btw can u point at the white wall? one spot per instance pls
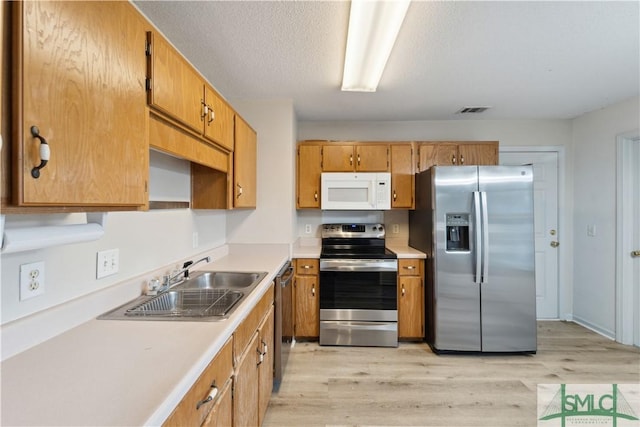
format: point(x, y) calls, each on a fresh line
point(594, 138)
point(274, 220)
point(146, 241)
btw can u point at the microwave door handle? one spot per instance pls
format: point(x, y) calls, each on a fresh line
point(477, 225)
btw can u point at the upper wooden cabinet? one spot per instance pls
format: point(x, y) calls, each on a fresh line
point(309, 168)
point(456, 154)
point(402, 176)
point(355, 158)
point(178, 91)
point(244, 165)
point(78, 77)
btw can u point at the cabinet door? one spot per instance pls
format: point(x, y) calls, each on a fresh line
point(402, 176)
point(221, 414)
point(307, 306)
point(79, 78)
point(265, 383)
point(309, 170)
point(410, 304)
point(218, 125)
point(176, 88)
point(478, 154)
point(426, 156)
point(338, 158)
point(244, 165)
point(245, 396)
point(446, 154)
point(372, 158)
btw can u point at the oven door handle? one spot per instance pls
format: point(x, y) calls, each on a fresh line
point(340, 324)
point(357, 265)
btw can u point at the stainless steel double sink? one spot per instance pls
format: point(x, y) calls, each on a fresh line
point(204, 296)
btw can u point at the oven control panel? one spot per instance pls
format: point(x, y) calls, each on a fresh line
point(353, 230)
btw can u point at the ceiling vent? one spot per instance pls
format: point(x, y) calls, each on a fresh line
point(472, 110)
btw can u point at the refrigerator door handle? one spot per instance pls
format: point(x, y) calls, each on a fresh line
point(477, 212)
point(485, 237)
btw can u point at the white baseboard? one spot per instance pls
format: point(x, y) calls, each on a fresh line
point(595, 328)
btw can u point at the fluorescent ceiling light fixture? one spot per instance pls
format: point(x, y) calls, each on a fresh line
point(373, 28)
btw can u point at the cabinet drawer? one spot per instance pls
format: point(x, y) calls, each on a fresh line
point(244, 332)
point(409, 267)
point(218, 372)
point(307, 266)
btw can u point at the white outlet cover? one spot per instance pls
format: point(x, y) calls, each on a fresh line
point(31, 280)
point(107, 263)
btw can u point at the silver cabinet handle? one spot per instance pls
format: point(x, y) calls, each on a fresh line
point(212, 395)
point(409, 267)
point(239, 190)
point(212, 115)
point(554, 244)
point(313, 290)
point(635, 254)
point(315, 196)
point(403, 289)
point(461, 159)
point(351, 159)
point(45, 153)
point(204, 110)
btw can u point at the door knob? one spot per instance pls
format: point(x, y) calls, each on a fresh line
point(554, 244)
point(635, 254)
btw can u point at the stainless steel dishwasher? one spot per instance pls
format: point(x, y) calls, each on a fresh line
point(283, 308)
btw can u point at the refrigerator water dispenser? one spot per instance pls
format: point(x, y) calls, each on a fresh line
point(457, 232)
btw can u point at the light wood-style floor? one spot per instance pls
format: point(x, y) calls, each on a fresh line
point(411, 386)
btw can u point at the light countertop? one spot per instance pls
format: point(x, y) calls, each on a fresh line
point(124, 373)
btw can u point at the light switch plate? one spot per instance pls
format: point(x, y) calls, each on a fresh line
point(107, 263)
point(31, 280)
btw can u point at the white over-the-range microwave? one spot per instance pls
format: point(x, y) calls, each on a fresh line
point(356, 191)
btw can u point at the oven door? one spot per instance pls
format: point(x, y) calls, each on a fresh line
point(358, 284)
point(358, 302)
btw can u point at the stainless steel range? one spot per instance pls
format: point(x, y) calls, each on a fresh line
point(358, 287)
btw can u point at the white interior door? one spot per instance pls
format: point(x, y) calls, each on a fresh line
point(628, 240)
point(545, 187)
point(636, 245)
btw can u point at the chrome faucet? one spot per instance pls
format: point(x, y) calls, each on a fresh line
point(169, 280)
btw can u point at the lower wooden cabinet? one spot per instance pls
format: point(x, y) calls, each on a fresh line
point(306, 298)
point(245, 387)
point(235, 388)
point(410, 299)
point(196, 407)
point(253, 354)
point(221, 414)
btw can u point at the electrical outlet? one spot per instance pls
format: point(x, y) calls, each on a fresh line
point(395, 228)
point(31, 280)
point(307, 228)
point(108, 263)
point(194, 240)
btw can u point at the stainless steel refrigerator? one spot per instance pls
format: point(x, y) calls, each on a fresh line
point(475, 223)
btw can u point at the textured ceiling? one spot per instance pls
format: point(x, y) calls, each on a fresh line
point(527, 60)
